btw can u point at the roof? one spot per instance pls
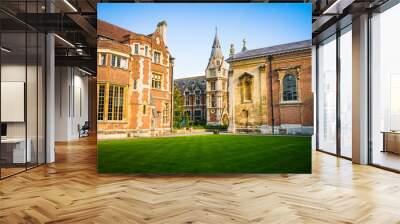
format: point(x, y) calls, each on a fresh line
point(273, 50)
point(216, 51)
point(190, 83)
point(111, 31)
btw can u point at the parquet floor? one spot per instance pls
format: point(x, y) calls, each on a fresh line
point(70, 191)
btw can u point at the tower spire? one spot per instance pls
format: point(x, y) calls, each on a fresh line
point(216, 51)
point(216, 43)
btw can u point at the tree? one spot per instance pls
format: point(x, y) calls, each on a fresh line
point(178, 107)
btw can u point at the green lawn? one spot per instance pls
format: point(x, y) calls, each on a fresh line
point(206, 154)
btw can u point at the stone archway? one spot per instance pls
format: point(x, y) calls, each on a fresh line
point(225, 119)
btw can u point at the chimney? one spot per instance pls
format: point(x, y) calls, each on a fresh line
point(162, 29)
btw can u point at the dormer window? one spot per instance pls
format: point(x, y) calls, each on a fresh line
point(218, 62)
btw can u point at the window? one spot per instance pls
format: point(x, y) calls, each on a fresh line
point(198, 98)
point(134, 83)
point(187, 98)
point(144, 109)
point(124, 63)
point(345, 82)
point(165, 113)
point(246, 84)
point(197, 113)
point(100, 101)
point(385, 88)
point(289, 88)
point(212, 71)
point(327, 95)
point(218, 62)
point(156, 81)
point(157, 57)
point(102, 59)
point(119, 62)
point(213, 101)
point(146, 50)
point(136, 48)
point(113, 60)
point(223, 85)
point(115, 103)
point(212, 85)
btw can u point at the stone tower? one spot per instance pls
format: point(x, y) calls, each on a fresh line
point(217, 86)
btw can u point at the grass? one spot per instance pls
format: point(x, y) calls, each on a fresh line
point(206, 154)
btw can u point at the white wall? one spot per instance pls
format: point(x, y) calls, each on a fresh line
point(71, 102)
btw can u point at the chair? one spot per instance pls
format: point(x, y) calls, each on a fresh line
point(84, 130)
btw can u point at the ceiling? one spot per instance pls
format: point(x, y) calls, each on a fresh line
point(74, 22)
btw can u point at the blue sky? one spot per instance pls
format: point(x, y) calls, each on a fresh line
point(191, 26)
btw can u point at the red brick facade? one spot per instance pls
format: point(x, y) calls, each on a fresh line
point(298, 113)
point(146, 81)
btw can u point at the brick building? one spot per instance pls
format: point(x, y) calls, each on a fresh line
point(134, 81)
point(193, 92)
point(287, 107)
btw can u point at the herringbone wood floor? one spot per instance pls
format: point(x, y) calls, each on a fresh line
point(70, 191)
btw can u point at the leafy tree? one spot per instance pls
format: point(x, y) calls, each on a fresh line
point(178, 107)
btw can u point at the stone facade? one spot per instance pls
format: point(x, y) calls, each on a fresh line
point(193, 92)
point(287, 108)
point(134, 81)
point(217, 86)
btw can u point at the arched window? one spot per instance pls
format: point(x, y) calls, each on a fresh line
point(289, 88)
point(246, 84)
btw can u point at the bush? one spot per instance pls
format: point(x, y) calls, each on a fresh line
point(216, 127)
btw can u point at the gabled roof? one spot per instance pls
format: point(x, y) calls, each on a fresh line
point(111, 31)
point(191, 83)
point(273, 50)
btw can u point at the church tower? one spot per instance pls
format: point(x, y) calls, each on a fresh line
point(217, 86)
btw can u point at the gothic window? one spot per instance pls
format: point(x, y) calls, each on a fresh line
point(246, 85)
point(289, 88)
